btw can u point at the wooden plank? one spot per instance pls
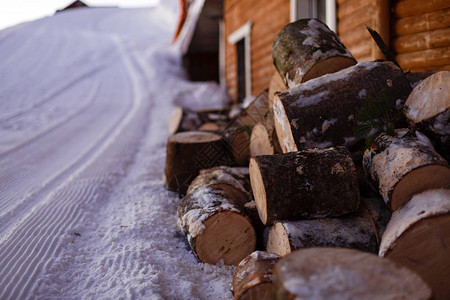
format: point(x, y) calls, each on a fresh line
point(407, 8)
point(422, 41)
point(425, 22)
point(425, 59)
point(381, 23)
point(355, 36)
point(363, 49)
point(358, 19)
point(352, 6)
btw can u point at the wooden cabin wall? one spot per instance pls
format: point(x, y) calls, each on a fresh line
point(420, 34)
point(268, 19)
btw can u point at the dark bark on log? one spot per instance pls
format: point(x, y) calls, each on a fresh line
point(214, 227)
point(307, 49)
point(306, 184)
point(378, 212)
point(418, 236)
point(337, 273)
point(253, 276)
point(415, 78)
point(404, 165)
point(190, 152)
point(321, 112)
point(429, 110)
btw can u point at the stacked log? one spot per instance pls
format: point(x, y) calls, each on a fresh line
point(418, 237)
point(190, 152)
point(314, 183)
point(215, 228)
point(253, 276)
point(429, 110)
point(333, 273)
point(403, 165)
point(355, 231)
point(321, 112)
point(185, 119)
point(307, 49)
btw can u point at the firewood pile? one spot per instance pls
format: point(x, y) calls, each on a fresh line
point(335, 163)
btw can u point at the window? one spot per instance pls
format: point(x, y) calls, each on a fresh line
point(241, 39)
point(324, 10)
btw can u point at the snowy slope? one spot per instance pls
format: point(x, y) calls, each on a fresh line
point(85, 98)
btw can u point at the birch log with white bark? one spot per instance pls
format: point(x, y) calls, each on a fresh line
point(403, 165)
point(418, 237)
point(306, 49)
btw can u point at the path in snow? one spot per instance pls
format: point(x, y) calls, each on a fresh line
point(85, 99)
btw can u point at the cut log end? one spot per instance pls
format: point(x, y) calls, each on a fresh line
point(228, 236)
point(282, 127)
point(276, 85)
point(263, 292)
point(417, 181)
point(430, 98)
point(259, 190)
point(193, 137)
point(330, 65)
point(175, 120)
point(260, 141)
point(278, 241)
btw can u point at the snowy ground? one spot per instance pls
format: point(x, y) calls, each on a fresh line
point(85, 99)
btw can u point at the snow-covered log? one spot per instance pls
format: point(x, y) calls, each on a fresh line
point(338, 273)
point(429, 109)
point(307, 49)
point(418, 236)
point(353, 231)
point(403, 165)
point(190, 152)
point(306, 184)
point(183, 119)
point(215, 228)
point(232, 181)
point(253, 276)
point(321, 112)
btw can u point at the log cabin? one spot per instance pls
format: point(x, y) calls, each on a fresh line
point(237, 35)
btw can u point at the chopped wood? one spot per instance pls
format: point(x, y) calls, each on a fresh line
point(338, 273)
point(354, 231)
point(183, 119)
point(403, 165)
point(306, 184)
point(418, 237)
point(262, 141)
point(215, 228)
point(378, 212)
point(276, 85)
point(232, 181)
point(321, 112)
point(190, 152)
point(415, 78)
point(253, 276)
point(307, 49)
point(429, 110)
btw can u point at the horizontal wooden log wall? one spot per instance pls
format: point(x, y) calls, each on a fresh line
point(268, 18)
point(352, 16)
point(421, 34)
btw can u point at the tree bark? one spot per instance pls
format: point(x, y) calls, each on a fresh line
point(354, 231)
point(404, 165)
point(338, 273)
point(253, 276)
point(307, 49)
point(214, 227)
point(429, 110)
point(306, 184)
point(190, 152)
point(321, 112)
point(418, 236)
point(378, 212)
